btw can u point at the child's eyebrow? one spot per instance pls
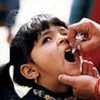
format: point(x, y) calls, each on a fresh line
point(46, 32)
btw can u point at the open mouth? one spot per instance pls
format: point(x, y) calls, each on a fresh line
point(69, 56)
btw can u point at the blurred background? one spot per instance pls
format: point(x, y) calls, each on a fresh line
point(14, 13)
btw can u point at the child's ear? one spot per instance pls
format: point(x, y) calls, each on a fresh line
point(29, 71)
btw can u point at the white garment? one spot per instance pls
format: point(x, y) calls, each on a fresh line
point(20, 90)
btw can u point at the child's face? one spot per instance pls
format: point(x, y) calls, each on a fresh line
point(49, 53)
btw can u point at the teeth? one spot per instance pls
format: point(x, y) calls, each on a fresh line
point(68, 50)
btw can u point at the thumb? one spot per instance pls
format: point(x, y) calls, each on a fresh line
point(68, 80)
point(87, 46)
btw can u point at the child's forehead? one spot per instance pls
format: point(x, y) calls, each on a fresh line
point(53, 28)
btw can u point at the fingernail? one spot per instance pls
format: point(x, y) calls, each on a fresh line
point(60, 77)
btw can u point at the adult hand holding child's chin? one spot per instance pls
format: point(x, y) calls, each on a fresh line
point(86, 85)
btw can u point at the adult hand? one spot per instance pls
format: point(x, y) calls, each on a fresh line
point(83, 85)
point(91, 31)
point(89, 69)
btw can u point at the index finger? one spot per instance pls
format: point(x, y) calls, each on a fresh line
point(83, 27)
point(68, 80)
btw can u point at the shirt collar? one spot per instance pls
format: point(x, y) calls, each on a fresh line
point(19, 89)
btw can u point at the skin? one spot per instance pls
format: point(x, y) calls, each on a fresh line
point(48, 55)
point(87, 80)
point(91, 31)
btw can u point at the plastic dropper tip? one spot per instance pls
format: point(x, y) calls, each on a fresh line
point(73, 50)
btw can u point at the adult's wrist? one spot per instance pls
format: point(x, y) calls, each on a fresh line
point(97, 88)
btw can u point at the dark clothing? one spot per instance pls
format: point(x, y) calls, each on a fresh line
point(31, 96)
point(41, 93)
point(7, 91)
point(79, 10)
point(8, 12)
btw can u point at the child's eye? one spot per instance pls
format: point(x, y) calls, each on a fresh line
point(47, 39)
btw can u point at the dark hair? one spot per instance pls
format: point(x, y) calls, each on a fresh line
point(23, 43)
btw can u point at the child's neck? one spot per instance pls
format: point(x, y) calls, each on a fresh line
point(53, 85)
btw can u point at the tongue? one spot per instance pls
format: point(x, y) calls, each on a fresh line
point(69, 57)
